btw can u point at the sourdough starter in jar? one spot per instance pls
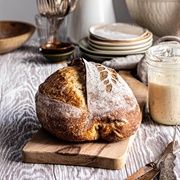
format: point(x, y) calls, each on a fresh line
point(164, 83)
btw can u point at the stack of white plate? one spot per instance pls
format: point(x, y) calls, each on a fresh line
point(114, 40)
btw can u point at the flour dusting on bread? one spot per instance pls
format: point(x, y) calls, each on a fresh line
point(87, 101)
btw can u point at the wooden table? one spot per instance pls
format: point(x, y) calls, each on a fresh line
point(21, 72)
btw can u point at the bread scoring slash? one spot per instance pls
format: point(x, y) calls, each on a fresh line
point(87, 101)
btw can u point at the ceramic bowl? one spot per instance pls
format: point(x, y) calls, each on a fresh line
point(14, 34)
point(57, 51)
point(161, 17)
point(55, 48)
point(58, 57)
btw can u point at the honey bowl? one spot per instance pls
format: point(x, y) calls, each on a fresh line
point(56, 48)
point(57, 51)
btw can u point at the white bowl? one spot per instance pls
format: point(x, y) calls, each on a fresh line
point(161, 17)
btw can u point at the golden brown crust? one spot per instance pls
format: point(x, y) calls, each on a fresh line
point(87, 101)
point(66, 85)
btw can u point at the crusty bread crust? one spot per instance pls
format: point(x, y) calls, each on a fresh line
point(66, 85)
point(87, 101)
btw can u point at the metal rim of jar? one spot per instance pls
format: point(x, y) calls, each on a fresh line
point(160, 61)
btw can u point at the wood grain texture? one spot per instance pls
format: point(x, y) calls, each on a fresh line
point(44, 148)
point(21, 72)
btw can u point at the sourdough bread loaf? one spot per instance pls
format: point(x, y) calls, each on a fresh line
point(87, 101)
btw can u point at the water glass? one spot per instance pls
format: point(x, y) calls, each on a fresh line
point(43, 29)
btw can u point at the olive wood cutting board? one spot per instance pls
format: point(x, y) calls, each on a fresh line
point(45, 148)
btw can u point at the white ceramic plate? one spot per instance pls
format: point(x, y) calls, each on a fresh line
point(148, 37)
point(83, 44)
point(117, 32)
point(120, 48)
point(119, 52)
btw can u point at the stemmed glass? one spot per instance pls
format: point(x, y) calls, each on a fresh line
point(55, 11)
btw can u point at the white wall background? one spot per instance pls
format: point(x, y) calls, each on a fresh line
point(24, 10)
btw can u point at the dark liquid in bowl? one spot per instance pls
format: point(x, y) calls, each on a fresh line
point(56, 48)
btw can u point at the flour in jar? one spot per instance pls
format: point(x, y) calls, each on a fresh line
point(164, 101)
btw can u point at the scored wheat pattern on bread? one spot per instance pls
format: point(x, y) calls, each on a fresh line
point(104, 76)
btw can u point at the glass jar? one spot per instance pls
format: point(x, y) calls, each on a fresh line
point(164, 83)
